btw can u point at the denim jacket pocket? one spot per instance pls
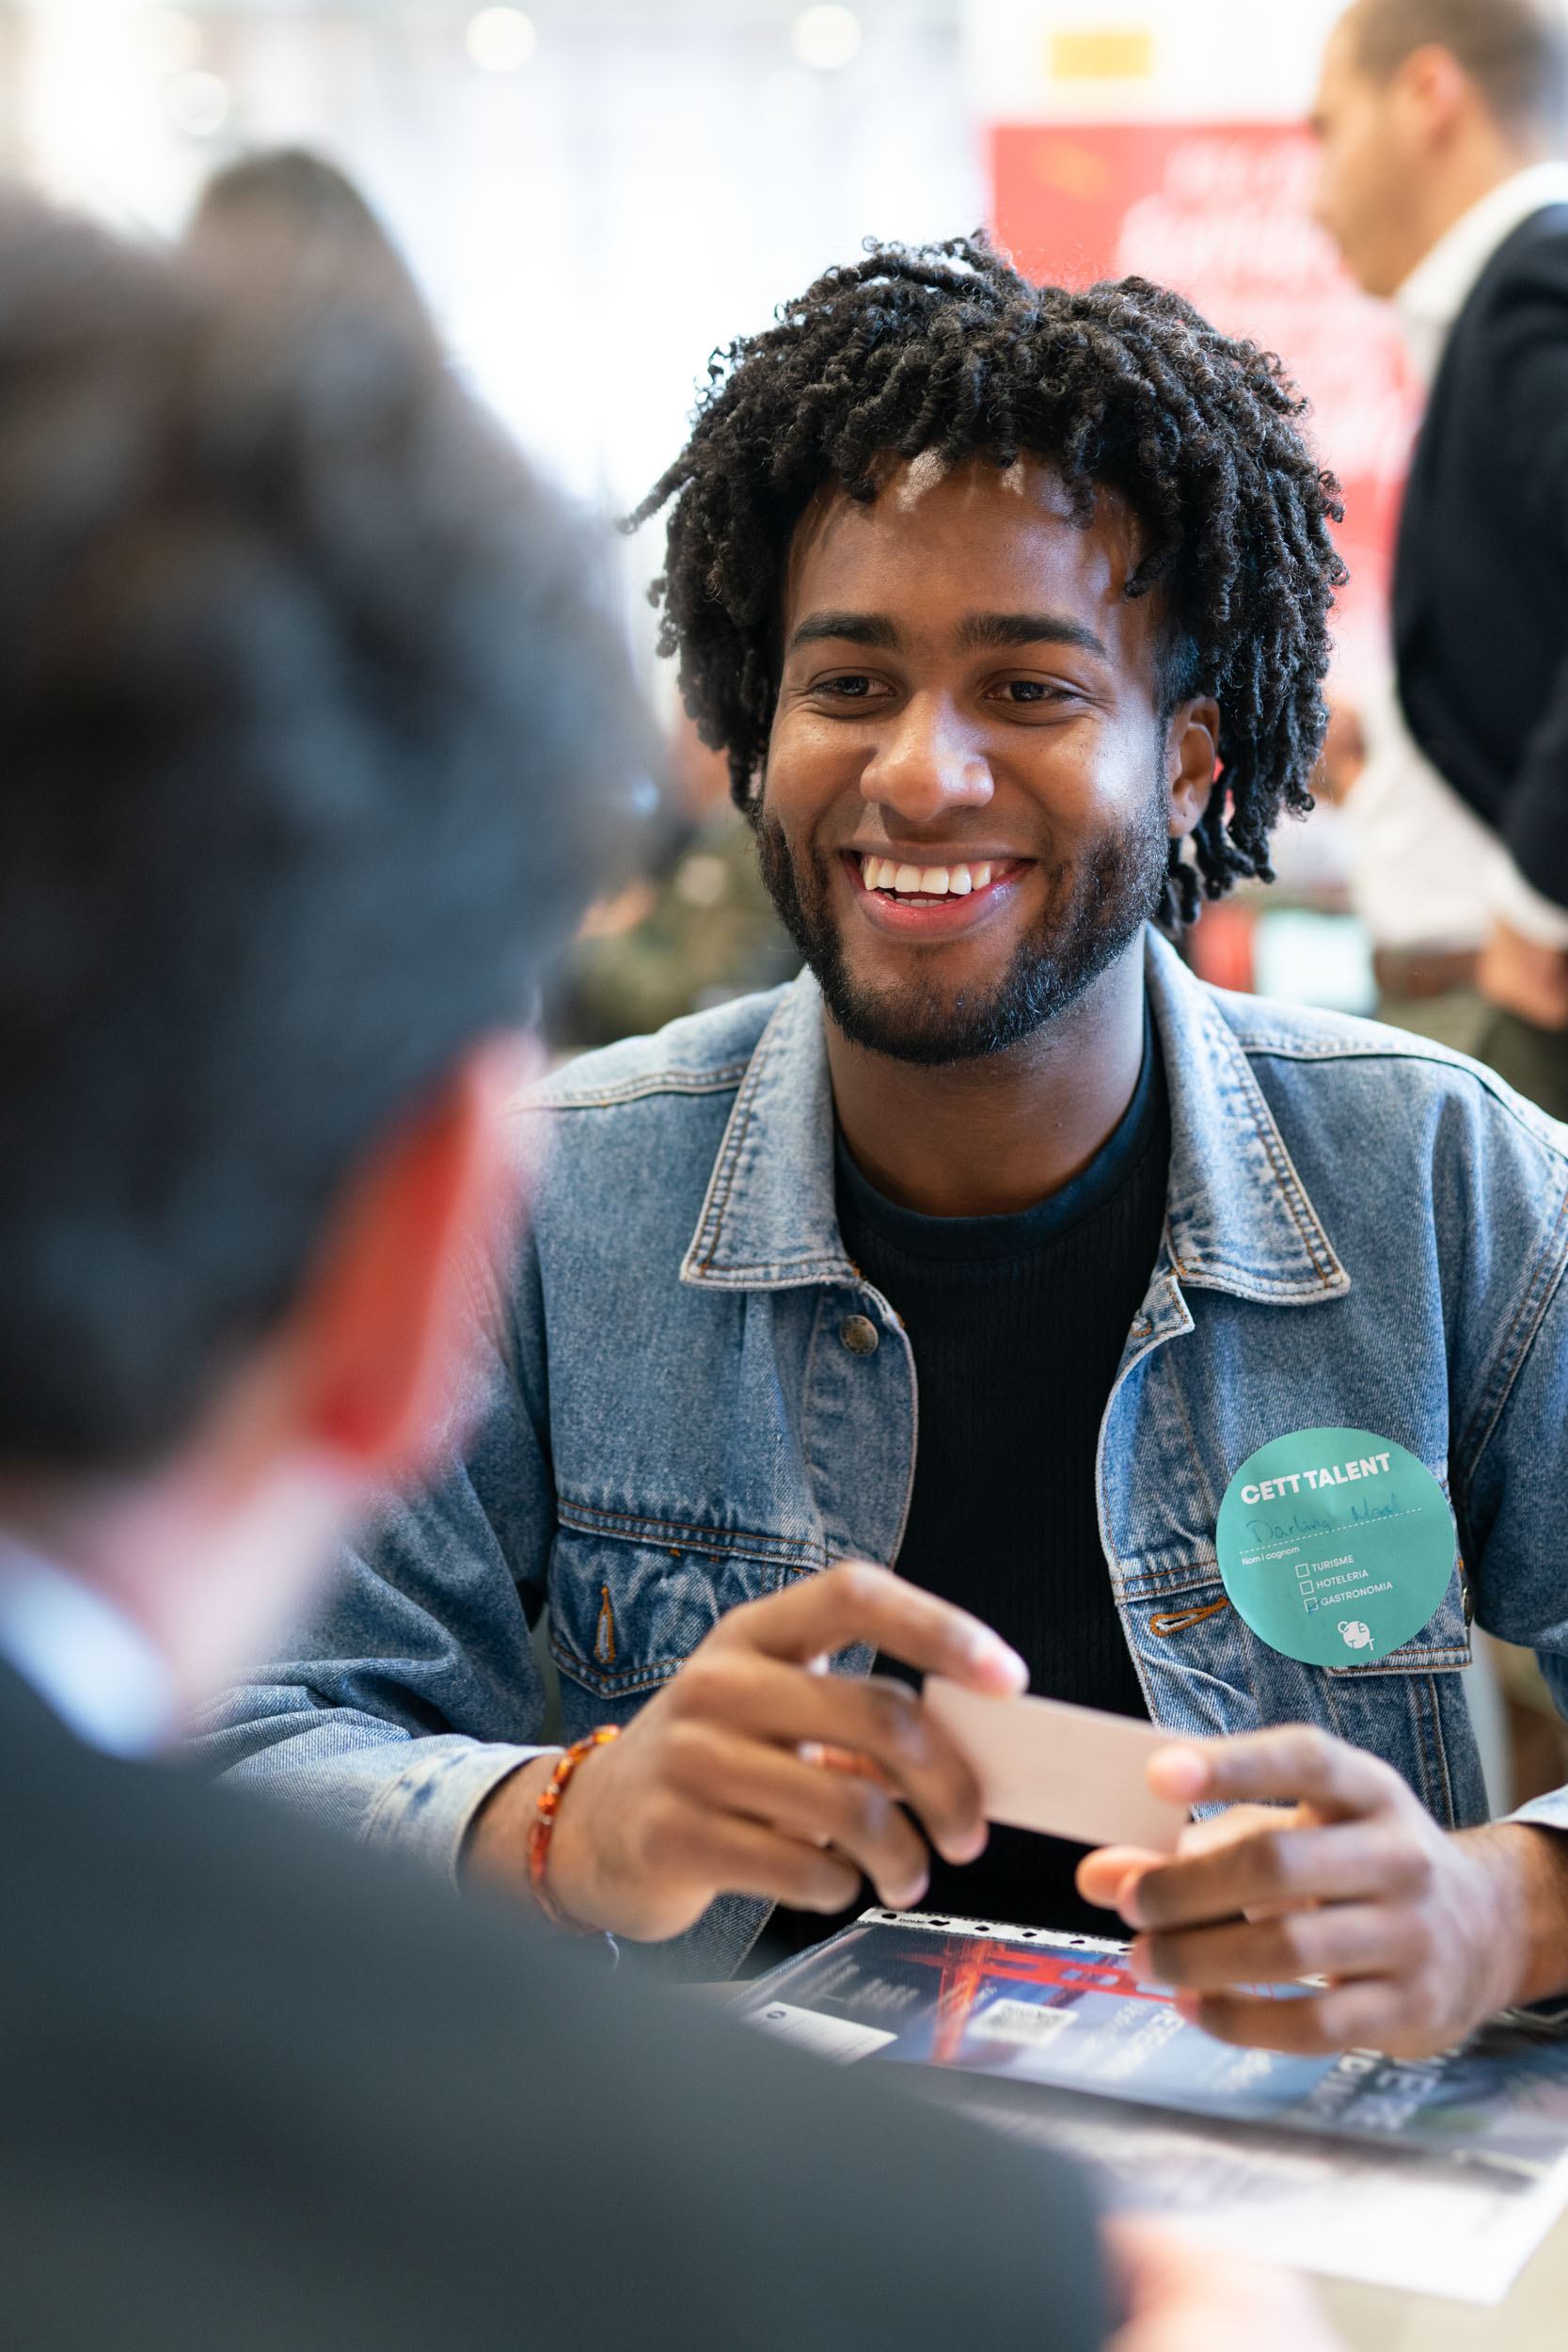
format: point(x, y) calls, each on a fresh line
point(631, 1596)
point(1206, 1672)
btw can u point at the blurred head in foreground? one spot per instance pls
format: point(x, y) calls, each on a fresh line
point(312, 722)
point(286, 207)
point(1424, 106)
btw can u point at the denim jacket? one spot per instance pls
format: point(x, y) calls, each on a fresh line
point(1363, 1231)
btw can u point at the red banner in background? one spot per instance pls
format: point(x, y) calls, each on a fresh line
point(1222, 211)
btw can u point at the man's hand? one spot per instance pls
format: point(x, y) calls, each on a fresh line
point(756, 1773)
point(1525, 978)
point(1420, 1932)
point(1180, 2296)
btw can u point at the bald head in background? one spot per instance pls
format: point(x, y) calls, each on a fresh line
point(1422, 108)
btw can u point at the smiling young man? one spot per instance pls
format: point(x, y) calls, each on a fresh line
point(992, 1248)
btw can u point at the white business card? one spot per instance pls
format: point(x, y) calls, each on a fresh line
point(1070, 1772)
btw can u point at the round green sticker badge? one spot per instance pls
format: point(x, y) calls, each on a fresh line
point(1335, 1546)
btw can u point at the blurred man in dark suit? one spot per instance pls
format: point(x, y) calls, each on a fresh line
point(1441, 123)
point(312, 726)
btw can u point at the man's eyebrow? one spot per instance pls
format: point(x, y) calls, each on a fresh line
point(994, 632)
point(855, 628)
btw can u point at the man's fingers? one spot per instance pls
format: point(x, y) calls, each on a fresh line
point(1297, 1763)
point(856, 1602)
point(1103, 1876)
point(1346, 1940)
point(1229, 1827)
point(1362, 2016)
point(814, 1804)
point(747, 1858)
point(880, 1719)
point(1275, 1869)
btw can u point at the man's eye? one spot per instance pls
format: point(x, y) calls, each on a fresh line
point(1028, 689)
point(852, 684)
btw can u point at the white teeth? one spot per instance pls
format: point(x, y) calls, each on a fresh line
point(929, 882)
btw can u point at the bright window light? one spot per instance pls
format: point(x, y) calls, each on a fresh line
point(826, 38)
point(501, 41)
point(197, 104)
point(170, 40)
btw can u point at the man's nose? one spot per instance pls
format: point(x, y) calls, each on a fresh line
point(929, 761)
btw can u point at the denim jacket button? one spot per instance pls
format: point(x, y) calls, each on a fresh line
point(860, 1335)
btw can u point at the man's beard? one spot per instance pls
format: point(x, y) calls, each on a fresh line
point(1093, 911)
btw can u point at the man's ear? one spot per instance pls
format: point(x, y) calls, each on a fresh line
point(1431, 97)
point(385, 1331)
point(1192, 755)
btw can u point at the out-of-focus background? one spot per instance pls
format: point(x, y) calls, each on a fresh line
point(593, 195)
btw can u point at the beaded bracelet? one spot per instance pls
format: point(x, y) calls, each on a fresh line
point(547, 1805)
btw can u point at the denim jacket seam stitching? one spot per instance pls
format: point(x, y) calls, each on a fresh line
point(1505, 1372)
point(1418, 1694)
point(1207, 1499)
point(1415, 1049)
point(592, 1677)
point(1291, 1187)
point(1121, 1596)
point(823, 1311)
point(595, 1520)
point(722, 1184)
point(1264, 1289)
point(769, 1269)
point(1440, 1748)
point(1404, 1661)
point(1209, 1508)
point(1118, 1568)
point(639, 1090)
point(1162, 1584)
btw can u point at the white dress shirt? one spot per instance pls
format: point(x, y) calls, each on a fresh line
point(1425, 870)
point(83, 1655)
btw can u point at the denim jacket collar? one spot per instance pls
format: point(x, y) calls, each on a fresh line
point(1239, 1219)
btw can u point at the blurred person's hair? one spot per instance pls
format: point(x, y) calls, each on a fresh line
point(947, 348)
point(314, 712)
point(1515, 51)
point(285, 205)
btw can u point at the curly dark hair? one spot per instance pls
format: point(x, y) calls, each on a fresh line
point(947, 348)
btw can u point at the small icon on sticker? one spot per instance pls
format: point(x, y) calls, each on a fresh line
point(1357, 1635)
point(1310, 1607)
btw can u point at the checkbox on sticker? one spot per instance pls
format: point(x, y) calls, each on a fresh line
point(1310, 1605)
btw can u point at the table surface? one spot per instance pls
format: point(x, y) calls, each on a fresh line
point(1533, 2318)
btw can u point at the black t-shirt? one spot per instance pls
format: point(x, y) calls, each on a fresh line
point(1018, 1324)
